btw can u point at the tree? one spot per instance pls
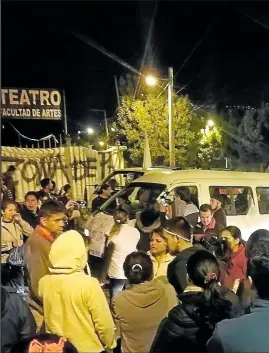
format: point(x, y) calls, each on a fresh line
point(149, 114)
point(251, 140)
point(211, 148)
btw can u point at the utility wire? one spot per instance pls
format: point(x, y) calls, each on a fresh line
point(189, 56)
point(101, 49)
point(34, 140)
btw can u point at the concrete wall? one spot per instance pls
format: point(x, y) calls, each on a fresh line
point(80, 167)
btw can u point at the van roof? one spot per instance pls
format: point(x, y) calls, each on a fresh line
point(169, 176)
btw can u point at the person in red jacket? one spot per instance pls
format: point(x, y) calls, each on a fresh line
point(233, 236)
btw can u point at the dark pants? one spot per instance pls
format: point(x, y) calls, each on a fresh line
point(116, 285)
point(96, 265)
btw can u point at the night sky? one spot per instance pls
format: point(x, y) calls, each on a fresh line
point(230, 66)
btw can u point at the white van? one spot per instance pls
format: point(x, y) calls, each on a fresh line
point(119, 178)
point(245, 194)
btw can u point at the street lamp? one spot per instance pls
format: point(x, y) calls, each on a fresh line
point(152, 81)
point(210, 123)
point(90, 131)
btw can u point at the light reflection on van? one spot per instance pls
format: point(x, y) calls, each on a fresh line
point(245, 194)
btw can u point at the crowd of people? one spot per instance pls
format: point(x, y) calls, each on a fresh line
point(162, 282)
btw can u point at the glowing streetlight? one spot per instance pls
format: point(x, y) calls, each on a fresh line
point(101, 143)
point(210, 123)
point(151, 80)
point(90, 131)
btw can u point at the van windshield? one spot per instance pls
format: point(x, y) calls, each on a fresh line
point(118, 179)
point(134, 198)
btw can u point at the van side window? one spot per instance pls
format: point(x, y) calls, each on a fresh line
point(193, 192)
point(237, 200)
point(263, 199)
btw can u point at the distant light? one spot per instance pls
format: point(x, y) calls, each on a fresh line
point(210, 123)
point(151, 80)
point(113, 129)
point(90, 131)
point(79, 132)
point(101, 143)
point(3, 126)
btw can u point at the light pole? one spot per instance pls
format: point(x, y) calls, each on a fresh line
point(152, 81)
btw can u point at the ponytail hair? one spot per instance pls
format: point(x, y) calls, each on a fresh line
point(120, 218)
point(138, 267)
point(203, 270)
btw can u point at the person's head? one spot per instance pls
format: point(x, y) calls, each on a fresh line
point(203, 269)
point(138, 268)
point(51, 217)
point(43, 196)
point(11, 170)
point(233, 236)
point(45, 342)
point(220, 248)
point(184, 193)
point(106, 190)
point(67, 188)
point(178, 233)
point(149, 218)
point(46, 184)
point(31, 200)
point(204, 272)
point(258, 261)
point(206, 214)
point(113, 183)
point(158, 243)
point(53, 185)
point(216, 200)
point(9, 210)
point(120, 217)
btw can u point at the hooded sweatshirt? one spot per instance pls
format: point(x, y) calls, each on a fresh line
point(150, 300)
point(75, 306)
point(160, 269)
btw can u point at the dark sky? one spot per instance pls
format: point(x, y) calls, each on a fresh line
point(39, 50)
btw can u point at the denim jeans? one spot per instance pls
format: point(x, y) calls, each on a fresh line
point(116, 285)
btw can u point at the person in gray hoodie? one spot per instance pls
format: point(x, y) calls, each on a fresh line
point(143, 298)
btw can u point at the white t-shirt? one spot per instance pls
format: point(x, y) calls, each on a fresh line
point(124, 244)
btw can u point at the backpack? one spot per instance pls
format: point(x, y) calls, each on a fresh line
point(16, 256)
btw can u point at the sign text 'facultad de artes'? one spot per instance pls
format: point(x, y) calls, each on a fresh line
point(43, 104)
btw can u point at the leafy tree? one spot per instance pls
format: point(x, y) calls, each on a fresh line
point(251, 140)
point(211, 148)
point(149, 114)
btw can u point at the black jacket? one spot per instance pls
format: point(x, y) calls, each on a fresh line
point(17, 321)
point(177, 270)
point(200, 233)
point(29, 217)
point(182, 330)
